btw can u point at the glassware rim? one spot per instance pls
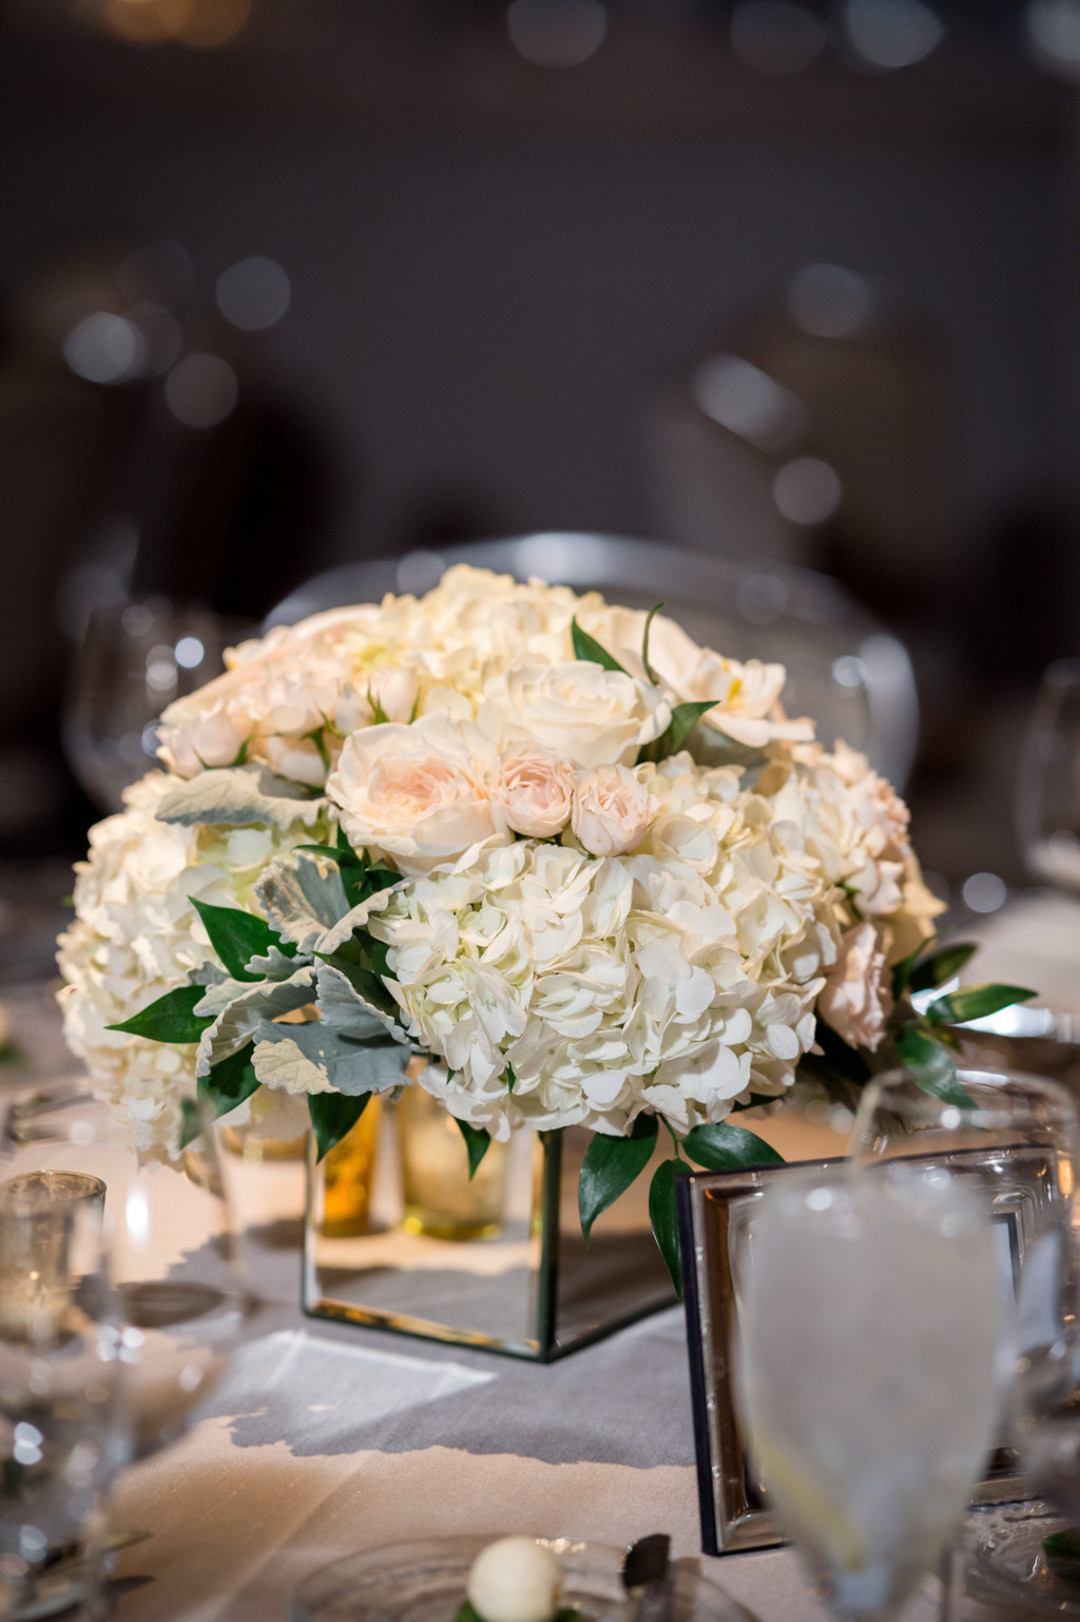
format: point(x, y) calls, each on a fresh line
point(1030, 1087)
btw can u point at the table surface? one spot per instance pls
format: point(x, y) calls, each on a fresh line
point(324, 1439)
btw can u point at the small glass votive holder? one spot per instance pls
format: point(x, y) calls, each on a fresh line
point(440, 1199)
point(345, 1177)
point(50, 1233)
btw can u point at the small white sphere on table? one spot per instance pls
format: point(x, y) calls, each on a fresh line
point(515, 1580)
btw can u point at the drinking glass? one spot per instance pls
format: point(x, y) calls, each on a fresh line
point(872, 1323)
point(1016, 1137)
point(62, 1431)
point(1048, 784)
point(134, 659)
point(168, 1232)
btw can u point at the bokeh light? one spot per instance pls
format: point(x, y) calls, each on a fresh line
point(1053, 32)
point(741, 397)
point(254, 293)
point(829, 301)
point(984, 892)
point(807, 490)
point(890, 34)
point(105, 348)
point(190, 652)
point(776, 36)
point(200, 23)
point(201, 390)
point(557, 33)
point(761, 598)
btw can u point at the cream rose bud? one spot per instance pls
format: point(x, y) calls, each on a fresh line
point(389, 688)
point(535, 788)
point(856, 999)
point(592, 716)
point(419, 793)
point(216, 739)
point(298, 759)
point(611, 810)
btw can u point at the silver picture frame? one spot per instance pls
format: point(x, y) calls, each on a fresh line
point(714, 1209)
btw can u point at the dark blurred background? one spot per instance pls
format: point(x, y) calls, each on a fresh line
point(286, 284)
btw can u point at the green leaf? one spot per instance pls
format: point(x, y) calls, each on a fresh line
point(477, 1143)
point(723, 1147)
point(169, 1019)
point(511, 1079)
point(587, 647)
point(190, 1122)
point(230, 1081)
point(662, 1215)
point(1063, 1547)
point(238, 936)
point(975, 1002)
point(902, 971)
point(941, 966)
point(684, 718)
point(649, 671)
point(840, 1055)
point(610, 1166)
point(931, 1067)
point(333, 1116)
point(334, 854)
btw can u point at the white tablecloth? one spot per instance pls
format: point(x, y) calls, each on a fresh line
point(324, 1439)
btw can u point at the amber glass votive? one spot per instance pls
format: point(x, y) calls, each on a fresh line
point(347, 1173)
point(439, 1196)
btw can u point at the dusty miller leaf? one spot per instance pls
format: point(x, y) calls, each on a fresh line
point(238, 795)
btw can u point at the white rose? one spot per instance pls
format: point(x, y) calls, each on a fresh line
point(747, 707)
point(592, 716)
point(535, 788)
point(856, 999)
point(611, 810)
point(215, 739)
point(419, 793)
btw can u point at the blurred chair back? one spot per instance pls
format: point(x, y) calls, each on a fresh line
point(844, 669)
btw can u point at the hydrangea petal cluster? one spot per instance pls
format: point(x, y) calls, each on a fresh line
point(137, 935)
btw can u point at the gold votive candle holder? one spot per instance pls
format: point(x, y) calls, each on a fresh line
point(347, 1172)
point(439, 1197)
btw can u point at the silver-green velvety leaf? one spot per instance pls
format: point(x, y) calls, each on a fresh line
point(317, 1059)
point(238, 795)
point(220, 994)
point(355, 919)
point(253, 1006)
point(346, 1011)
point(209, 974)
point(274, 966)
point(302, 897)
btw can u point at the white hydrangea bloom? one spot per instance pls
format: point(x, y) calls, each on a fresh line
point(616, 985)
point(136, 935)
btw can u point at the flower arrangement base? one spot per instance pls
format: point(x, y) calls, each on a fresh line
point(534, 1290)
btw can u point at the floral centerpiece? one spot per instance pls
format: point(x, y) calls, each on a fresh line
point(588, 870)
